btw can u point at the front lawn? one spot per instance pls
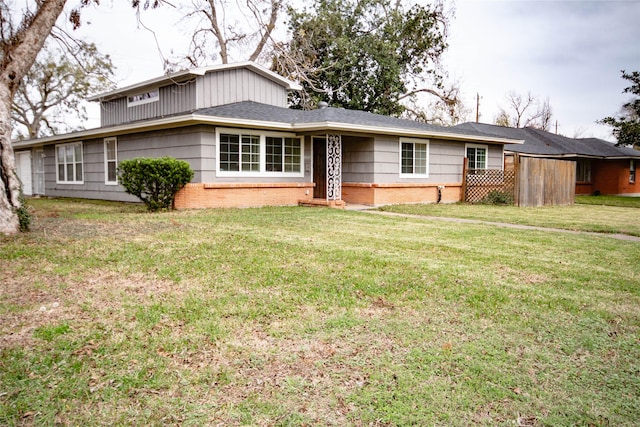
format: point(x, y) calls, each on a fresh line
point(602, 214)
point(306, 316)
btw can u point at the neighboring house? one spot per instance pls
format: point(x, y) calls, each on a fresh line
point(232, 124)
point(601, 167)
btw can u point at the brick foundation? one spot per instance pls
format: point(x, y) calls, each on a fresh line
point(200, 196)
point(388, 194)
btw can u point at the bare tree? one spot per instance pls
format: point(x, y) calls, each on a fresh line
point(55, 87)
point(22, 36)
point(228, 27)
point(525, 111)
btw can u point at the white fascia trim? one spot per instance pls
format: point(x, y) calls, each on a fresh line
point(201, 71)
point(571, 156)
point(194, 119)
point(345, 127)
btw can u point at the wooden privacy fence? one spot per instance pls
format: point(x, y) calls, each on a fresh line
point(530, 182)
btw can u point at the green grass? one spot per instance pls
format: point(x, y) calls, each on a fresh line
point(622, 201)
point(613, 215)
point(302, 316)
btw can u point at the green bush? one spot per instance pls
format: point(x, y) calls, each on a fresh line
point(154, 181)
point(496, 197)
point(24, 215)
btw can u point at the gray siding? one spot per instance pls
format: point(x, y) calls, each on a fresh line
point(445, 161)
point(357, 159)
point(229, 86)
point(212, 89)
point(173, 99)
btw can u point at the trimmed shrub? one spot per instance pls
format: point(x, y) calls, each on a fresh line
point(154, 181)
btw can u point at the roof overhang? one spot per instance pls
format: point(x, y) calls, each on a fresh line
point(199, 119)
point(185, 75)
point(570, 156)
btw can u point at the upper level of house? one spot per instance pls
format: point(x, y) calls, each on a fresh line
point(190, 90)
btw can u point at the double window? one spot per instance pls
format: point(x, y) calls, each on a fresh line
point(414, 158)
point(110, 161)
point(258, 154)
point(69, 163)
point(476, 156)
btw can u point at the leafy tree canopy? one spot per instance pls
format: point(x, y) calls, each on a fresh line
point(367, 55)
point(626, 126)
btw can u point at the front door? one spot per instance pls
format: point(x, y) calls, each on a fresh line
point(320, 168)
point(39, 184)
point(23, 164)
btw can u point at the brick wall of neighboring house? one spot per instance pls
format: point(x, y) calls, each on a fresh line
point(387, 194)
point(584, 188)
point(199, 195)
point(612, 177)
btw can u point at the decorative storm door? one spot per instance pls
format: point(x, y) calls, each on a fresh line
point(327, 167)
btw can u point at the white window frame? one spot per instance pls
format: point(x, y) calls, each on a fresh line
point(107, 160)
point(486, 156)
point(75, 162)
point(143, 98)
point(262, 172)
point(413, 142)
point(632, 172)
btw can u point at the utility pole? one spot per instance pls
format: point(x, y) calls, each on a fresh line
point(477, 107)
point(556, 127)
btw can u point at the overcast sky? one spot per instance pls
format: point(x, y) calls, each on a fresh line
point(568, 51)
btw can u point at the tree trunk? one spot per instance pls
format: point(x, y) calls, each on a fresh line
point(19, 55)
point(9, 183)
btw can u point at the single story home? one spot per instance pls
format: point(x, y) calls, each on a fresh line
point(601, 167)
point(232, 124)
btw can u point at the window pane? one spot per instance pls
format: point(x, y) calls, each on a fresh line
point(229, 152)
point(78, 172)
point(78, 152)
point(60, 155)
point(61, 172)
point(111, 172)
point(273, 154)
point(250, 153)
point(407, 157)
point(292, 155)
point(70, 173)
point(471, 158)
point(111, 150)
point(481, 158)
point(420, 160)
point(70, 151)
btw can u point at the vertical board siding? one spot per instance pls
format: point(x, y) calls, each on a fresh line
point(173, 99)
point(545, 182)
point(230, 86)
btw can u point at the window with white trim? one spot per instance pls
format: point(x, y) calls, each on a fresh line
point(476, 156)
point(632, 172)
point(414, 158)
point(143, 98)
point(252, 153)
point(69, 164)
point(583, 170)
point(110, 161)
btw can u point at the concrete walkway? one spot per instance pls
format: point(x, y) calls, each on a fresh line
point(370, 210)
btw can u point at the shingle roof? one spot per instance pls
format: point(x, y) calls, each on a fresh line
point(541, 143)
point(249, 110)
